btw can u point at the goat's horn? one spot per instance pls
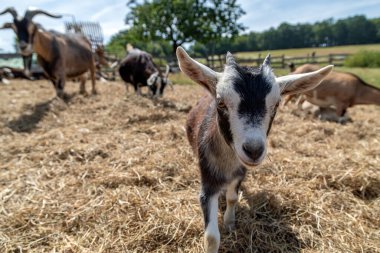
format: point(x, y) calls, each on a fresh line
point(11, 10)
point(267, 60)
point(167, 71)
point(29, 14)
point(230, 60)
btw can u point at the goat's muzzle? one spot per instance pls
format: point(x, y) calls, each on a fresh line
point(253, 152)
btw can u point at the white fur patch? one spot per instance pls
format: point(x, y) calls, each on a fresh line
point(212, 233)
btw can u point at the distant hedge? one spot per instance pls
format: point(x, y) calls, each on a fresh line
point(364, 59)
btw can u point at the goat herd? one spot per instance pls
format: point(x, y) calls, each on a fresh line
point(67, 56)
point(228, 128)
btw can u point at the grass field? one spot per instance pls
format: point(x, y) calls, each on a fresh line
point(115, 173)
point(351, 49)
point(370, 75)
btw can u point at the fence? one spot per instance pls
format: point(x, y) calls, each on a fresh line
point(92, 30)
point(217, 62)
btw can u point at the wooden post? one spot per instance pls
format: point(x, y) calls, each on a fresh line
point(331, 58)
point(283, 61)
point(220, 62)
point(259, 60)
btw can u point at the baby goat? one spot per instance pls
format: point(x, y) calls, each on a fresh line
point(229, 126)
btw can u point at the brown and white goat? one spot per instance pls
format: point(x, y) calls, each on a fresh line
point(60, 55)
point(340, 90)
point(228, 128)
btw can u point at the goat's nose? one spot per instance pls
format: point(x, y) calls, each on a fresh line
point(253, 150)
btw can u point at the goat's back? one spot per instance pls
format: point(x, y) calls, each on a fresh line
point(76, 52)
point(137, 65)
point(338, 85)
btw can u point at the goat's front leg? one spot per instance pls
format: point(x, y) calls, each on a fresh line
point(231, 199)
point(93, 79)
point(209, 204)
point(82, 89)
point(59, 85)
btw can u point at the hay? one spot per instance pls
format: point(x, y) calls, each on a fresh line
point(114, 173)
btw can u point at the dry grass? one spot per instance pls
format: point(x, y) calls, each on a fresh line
point(114, 173)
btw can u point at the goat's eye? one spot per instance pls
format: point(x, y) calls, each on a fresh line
point(222, 105)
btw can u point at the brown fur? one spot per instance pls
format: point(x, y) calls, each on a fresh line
point(340, 89)
point(64, 57)
point(195, 118)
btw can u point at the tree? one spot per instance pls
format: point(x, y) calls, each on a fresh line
point(179, 21)
point(376, 22)
point(361, 30)
point(118, 42)
point(323, 33)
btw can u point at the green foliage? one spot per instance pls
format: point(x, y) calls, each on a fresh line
point(350, 31)
point(118, 42)
point(179, 22)
point(376, 23)
point(364, 59)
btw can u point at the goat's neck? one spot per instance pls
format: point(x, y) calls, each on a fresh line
point(366, 94)
point(42, 44)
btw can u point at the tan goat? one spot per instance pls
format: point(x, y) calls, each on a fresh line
point(340, 90)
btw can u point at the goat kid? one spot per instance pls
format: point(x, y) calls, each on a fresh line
point(60, 55)
point(229, 126)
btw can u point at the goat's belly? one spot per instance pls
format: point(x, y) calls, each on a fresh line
point(75, 72)
point(322, 102)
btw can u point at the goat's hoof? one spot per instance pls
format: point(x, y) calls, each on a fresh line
point(211, 244)
point(94, 92)
point(60, 94)
point(230, 226)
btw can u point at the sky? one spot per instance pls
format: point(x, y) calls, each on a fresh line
point(260, 14)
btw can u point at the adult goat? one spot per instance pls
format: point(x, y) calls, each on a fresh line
point(340, 90)
point(228, 128)
point(138, 69)
point(60, 55)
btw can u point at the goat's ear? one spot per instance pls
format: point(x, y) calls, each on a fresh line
point(8, 26)
point(197, 72)
point(297, 83)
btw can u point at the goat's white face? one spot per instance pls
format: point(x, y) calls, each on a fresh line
point(246, 100)
point(157, 82)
